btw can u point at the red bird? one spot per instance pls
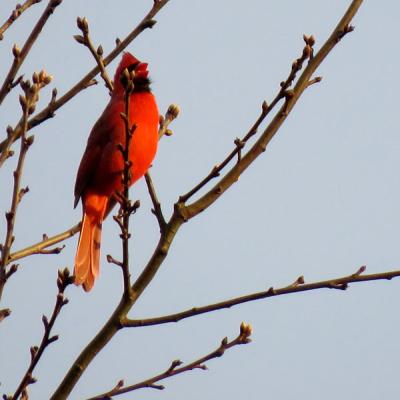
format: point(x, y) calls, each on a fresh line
point(100, 171)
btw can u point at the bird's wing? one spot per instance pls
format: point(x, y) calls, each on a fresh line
point(99, 137)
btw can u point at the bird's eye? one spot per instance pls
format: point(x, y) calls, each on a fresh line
point(132, 67)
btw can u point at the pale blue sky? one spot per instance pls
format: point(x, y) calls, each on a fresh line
point(322, 201)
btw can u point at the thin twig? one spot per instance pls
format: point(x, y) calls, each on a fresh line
point(97, 54)
point(39, 248)
point(63, 280)
point(171, 114)
point(172, 370)
point(16, 13)
point(48, 112)
point(126, 206)
point(28, 102)
point(296, 287)
point(20, 55)
point(157, 211)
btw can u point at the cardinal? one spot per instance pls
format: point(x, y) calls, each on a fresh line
point(100, 171)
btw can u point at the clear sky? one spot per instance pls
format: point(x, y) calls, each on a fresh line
point(320, 202)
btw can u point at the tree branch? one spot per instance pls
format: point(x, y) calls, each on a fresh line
point(291, 99)
point(265, 111)
point(64, 279)
point(16, 13)
point(97, 54)
point(296, 287)
point(157, 211)
point(39, 248)
point(127, 208)
point(172, 370)
point(28, 102)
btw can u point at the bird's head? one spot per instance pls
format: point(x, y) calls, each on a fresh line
point(131, 63)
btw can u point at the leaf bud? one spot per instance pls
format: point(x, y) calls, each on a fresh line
point(173, 111)
point(16, 51)
point(79, 39)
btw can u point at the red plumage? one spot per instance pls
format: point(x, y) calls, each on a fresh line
point(100, 171)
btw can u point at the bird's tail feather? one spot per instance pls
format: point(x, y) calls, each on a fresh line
point(87, 257)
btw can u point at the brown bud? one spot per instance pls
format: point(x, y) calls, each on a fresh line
point(35, 77)
point(47, 79)
point(30, 139)
point(82, 24)
point(79, 39)
point(99, 50)
point(16, 51)
point(42, 75)
point(9, 130)
point(245, 329)
point(173, 111)
point(310, 40)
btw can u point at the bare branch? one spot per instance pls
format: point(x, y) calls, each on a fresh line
point(38, 248)
point(172, 370)
point(298, 286)
point(291, 98)
point(171, 114)
point(215, 172)
point(64, 279)
point(97, 54)
point(126, 208)
point(157, 211)
point(16, 13)
point(20, 55)
point(28, 102)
